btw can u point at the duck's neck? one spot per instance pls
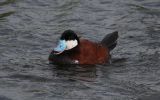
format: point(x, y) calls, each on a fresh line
point(73, 50)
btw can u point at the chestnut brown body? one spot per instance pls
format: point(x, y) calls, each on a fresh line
point(91, 53)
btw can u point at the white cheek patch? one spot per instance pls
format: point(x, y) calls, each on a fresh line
point(71, 44)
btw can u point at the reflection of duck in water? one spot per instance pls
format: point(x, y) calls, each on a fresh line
point(88, 73)
point(72, 50)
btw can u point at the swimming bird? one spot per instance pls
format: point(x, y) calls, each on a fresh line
point(74, 50)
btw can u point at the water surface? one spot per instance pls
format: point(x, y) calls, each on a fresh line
point(29, 30)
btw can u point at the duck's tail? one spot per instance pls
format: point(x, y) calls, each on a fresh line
point(110, 40)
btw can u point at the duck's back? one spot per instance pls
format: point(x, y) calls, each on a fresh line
point(91, 53)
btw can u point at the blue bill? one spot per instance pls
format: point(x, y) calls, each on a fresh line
point(61, 46)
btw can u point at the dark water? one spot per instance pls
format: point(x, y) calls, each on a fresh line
point(29, 30)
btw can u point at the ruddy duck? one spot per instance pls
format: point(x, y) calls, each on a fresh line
point(73, 50)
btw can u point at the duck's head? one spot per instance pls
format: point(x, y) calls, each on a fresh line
point(67, 41)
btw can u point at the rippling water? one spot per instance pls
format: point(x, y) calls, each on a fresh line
point(29, 30)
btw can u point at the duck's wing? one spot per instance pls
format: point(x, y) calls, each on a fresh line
point(110, 40)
